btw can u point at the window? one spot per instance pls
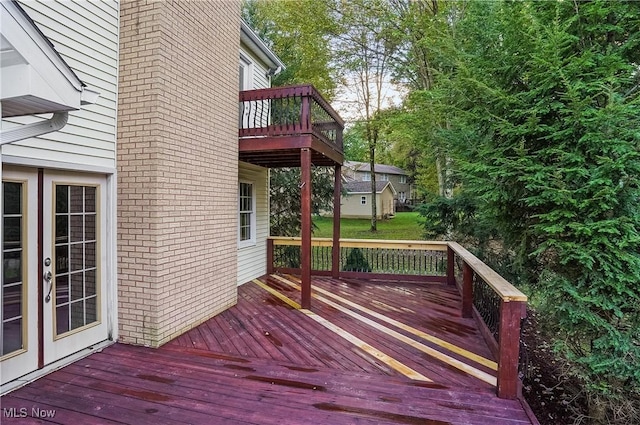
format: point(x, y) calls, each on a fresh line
point(76, 256)
point(245, 73)
point(247, 202)
point(13, 289)
point(366, 177)
point(402, 196)
point(403, 179)
point(363, 200)
point(384, 177)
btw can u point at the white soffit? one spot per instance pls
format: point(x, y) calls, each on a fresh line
point(34, 78)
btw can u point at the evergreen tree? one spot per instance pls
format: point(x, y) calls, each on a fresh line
point(550, 93)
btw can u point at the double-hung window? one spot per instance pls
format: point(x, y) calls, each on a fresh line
point(247, 212)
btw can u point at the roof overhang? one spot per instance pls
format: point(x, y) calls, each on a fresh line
point(249, 38)
point(35, 78)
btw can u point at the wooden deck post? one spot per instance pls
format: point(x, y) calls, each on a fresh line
point(467, 290)
point(335, 247)
point(305, 202)
point(270, 265)
point(451, 272)
point(305, 111)
point(509, 349)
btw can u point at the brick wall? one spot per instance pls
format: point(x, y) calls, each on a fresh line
point(177, 165)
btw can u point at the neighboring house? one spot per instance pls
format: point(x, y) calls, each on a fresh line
point(361, 171)
point(356, 202)
point(59, 182)
point(183, 197)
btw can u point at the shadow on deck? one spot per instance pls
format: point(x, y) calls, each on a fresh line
point(371, 352)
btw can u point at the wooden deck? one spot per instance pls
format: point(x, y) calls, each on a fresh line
point(368, 353)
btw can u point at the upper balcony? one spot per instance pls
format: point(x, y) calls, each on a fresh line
point(276, 123)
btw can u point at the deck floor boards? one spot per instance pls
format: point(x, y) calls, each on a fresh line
point(264, 362)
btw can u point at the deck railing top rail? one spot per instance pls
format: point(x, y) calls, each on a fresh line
point(500, 285)
point(365, 243)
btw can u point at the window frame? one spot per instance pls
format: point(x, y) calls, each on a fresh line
point(363, 200)
point(246, 76)
point(366, 176)
point(251, 241)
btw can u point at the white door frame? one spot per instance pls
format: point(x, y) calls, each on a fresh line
point(18, 363)
point(57, 346)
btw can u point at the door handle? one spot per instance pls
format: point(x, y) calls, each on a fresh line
point(48, 278)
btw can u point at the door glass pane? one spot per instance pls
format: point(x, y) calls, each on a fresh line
point(77, 232)
point(76, 267)
point(12, 289)
point(62, 289)
point(62, 318)
point(62, 199)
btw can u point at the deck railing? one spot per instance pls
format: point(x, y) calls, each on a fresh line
point(289, 111)
point(496, 305)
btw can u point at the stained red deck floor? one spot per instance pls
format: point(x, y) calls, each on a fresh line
point(265, 362)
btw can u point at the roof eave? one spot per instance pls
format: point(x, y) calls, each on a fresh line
point(249, 37)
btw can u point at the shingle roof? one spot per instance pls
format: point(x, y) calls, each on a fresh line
point(380, 168)
point(365, 187)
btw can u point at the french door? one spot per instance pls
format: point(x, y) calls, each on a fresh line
point(53, 287)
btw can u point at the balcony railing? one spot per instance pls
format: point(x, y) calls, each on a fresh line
point(496, 305)
point(289, 111)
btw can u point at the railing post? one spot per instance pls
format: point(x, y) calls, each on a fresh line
point(467, 290)
point(305, 112)
point(451, 273)
point(305, 201)
point(270, 266)
point(335, 247)
point(509, 349)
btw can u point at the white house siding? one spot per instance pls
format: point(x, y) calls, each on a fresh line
point(259, 70)
point(252, 260)
point(86, 36)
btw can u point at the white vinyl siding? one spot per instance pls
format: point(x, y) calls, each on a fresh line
point(259, 69)
point(86, 36)
point(252, 259)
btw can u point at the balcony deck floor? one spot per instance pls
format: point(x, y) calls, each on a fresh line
point(368, 353)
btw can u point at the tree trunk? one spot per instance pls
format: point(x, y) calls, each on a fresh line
point(444, 172)
point(440, 175)
point(448, 174)
point(374, 204)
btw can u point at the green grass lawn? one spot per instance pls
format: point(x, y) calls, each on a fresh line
point(404, 226)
